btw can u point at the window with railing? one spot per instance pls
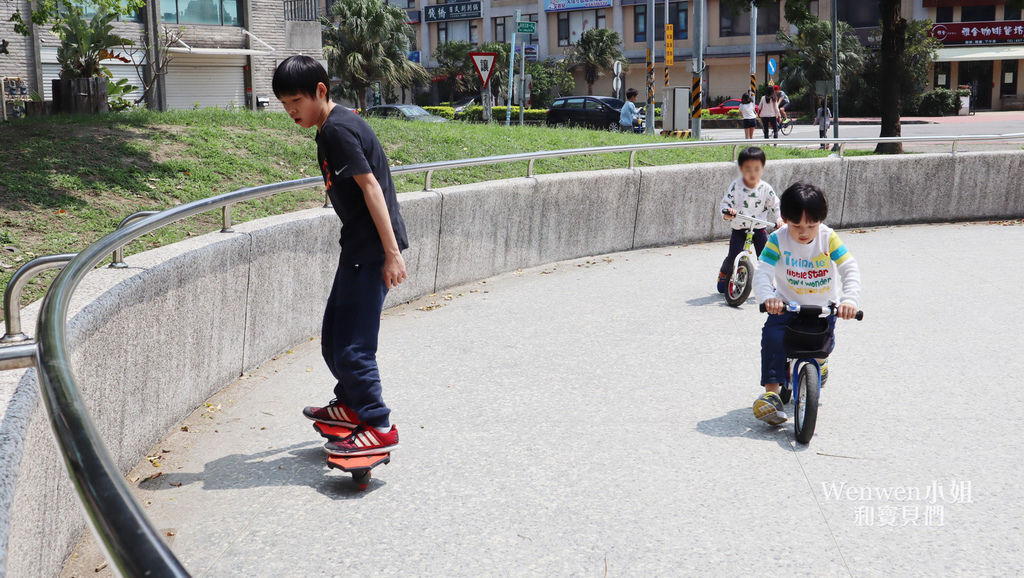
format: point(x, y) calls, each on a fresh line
point(301, 10)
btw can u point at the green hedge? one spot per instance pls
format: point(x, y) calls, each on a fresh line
point(939, 102)
point(475, 113)
point(442, 111)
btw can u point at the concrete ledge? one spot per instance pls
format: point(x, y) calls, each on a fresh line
point(896, 190)
point(486, 229)
point(586, 213)
point(150, 343)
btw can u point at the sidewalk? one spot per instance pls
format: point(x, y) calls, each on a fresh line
point(593, 418)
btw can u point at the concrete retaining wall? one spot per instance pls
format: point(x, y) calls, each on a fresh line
point(152, 342)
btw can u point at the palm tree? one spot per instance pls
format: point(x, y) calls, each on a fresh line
point(596, 52)
point(809, 57)
point(367, 41)
point(455, 66)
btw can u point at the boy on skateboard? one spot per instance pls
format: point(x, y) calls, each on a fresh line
point(359, 184)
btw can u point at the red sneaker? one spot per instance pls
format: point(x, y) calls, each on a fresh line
point(334, 413)
point(364, 441)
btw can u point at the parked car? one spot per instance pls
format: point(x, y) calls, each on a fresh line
point(462, 104)
point(731, 104)
point(403, 112)
point(600, 112)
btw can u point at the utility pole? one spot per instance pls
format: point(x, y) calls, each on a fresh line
point(669, 61)
point(696, 102)
point(835, 71)
point(753, 50)
point(522, 76)
point(650, 67)
point(511, 72)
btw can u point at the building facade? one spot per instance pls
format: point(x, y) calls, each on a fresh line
point(224, 53)
point(983, 48)
point(561, 22)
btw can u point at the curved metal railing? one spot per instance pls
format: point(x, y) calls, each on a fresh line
point(131, 544)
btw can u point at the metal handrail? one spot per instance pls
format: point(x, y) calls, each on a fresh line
point(117, 260)
point(131, 544)
point(15, 287)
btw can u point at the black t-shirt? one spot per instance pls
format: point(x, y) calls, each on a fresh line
point(347, 146)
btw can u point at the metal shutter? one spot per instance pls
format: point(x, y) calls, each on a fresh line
point(206, 81)
point(119, 70)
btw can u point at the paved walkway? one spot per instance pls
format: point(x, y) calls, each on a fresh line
point(593, 418)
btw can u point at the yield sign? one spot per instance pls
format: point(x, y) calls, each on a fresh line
point(484, 64)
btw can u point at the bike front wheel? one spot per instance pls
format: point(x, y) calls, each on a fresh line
point(787, 127)
point(740, 283)
point(805, 404)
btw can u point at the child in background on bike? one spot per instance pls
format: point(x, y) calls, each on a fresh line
point(802, 262)
point(752, 197)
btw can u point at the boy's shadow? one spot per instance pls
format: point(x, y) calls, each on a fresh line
point(302, 464)
point(741, 423)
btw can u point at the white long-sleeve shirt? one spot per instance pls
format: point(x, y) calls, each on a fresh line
point(807, 273)
point(760, 202)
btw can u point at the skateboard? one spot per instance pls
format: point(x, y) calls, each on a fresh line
point(360, 467)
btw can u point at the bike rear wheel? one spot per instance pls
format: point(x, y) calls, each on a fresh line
point(805, 403)
point(787, 127)
point(740, 283)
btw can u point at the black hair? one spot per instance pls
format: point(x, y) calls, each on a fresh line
point(631, 93)
point(803, 199)
point(745, 99)
point(752, 154)
point(299, 74)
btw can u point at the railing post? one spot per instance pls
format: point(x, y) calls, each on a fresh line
point(529, 168)
point(226, 227)
point(427, 179)
point(735, 153)
point(842, 150)
point(955, 141)
point(327, 201)
point(12, 296)
point(632, 158)
point(117, 259)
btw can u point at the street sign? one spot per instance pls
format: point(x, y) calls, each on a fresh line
point(617, 84)
point(617, 68)
point(772, 66)
point(526, 27)
point(484, 64)
point(414, 56)
point(670, 57)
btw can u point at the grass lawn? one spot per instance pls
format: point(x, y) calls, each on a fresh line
point(67, 181)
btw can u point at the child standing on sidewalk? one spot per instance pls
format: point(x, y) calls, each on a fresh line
point(359, 184)
point(752, 197)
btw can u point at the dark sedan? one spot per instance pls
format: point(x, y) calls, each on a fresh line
point(600, 112)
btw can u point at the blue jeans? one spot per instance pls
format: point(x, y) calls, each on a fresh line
point(349, 339)
point(773, 354)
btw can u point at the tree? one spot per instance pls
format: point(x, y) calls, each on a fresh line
point(551, 78)
point(809, 55)
point(455, 66)
point(367, 41)
point(52, 13)
point(595, 53)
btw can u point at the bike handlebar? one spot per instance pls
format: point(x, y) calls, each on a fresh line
point(739, 215)
point(812, 310)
